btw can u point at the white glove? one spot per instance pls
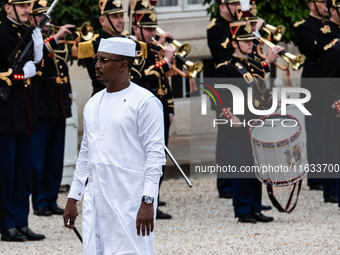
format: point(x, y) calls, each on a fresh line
point(38, 43)
point(29, 69)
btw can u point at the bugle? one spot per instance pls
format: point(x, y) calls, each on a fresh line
point(193, 68)
point(297, 61)
point(85, 31)
point(276, 32)
point(182, 49)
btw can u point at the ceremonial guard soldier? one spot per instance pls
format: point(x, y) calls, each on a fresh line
point(54, 98)
point(218, 32)
point(257, 23)
point(111, 18)
point(19, 122)
point(150, 67)
point(331, 104)
point(331, 28)
point(306, 32)
point(234, 139)
point(328, 42)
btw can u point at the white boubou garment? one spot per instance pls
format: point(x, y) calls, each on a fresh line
point(122, 153)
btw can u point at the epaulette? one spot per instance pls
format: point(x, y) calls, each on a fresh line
point(331, 44)
point(212, 23)
point(296, 24)
point(222, 64)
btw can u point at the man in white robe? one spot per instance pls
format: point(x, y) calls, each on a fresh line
point(120, 160)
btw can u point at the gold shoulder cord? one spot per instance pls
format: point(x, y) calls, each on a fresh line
point(4, 76)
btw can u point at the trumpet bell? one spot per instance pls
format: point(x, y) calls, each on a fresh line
point(86, 31)
point(297, 61)
point(182, 49)
point(276, 32)
point(194, 68)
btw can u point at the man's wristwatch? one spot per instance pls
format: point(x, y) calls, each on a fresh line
point(148, 200)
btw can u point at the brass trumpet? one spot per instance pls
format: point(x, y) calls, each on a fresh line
point(85, 31)
point(276, 32)
point(297, 61)
point(182, 49)
point(193, 68)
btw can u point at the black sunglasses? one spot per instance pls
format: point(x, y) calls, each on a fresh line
point(104, 60)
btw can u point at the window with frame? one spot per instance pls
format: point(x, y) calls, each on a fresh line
point(195, 1)
point(162, 3)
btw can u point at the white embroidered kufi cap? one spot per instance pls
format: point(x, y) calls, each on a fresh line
point(119, 46)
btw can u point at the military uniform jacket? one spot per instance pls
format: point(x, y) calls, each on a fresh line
point(306, 32)
point(331, 70)
point(18, 115)
point(218, 34)
point(150, 73)
point(256, 57)
point(90, 65)
point(53, 89)
point(327, 34)
point(246, 73)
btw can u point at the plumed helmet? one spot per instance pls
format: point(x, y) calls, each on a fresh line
point(241, 30)
point(38, 6)
point(110, 7)
point(333, 4)
point(226, 1)
point(17, 1)
point(144, 13)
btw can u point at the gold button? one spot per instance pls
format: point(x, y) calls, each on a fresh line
point(60, 66)
point(25, 85)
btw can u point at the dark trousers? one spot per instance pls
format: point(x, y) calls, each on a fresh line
point(332, 140)
point(48, 162)
point(16, 169)
point(224, 185)
point(316, 146)
point(246, 189)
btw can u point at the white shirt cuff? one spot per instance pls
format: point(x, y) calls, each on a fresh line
point(77, 189)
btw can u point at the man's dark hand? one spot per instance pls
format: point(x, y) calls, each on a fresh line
point(70, 213)
point(145, 219)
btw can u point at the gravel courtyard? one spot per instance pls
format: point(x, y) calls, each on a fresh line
point(203, 224)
